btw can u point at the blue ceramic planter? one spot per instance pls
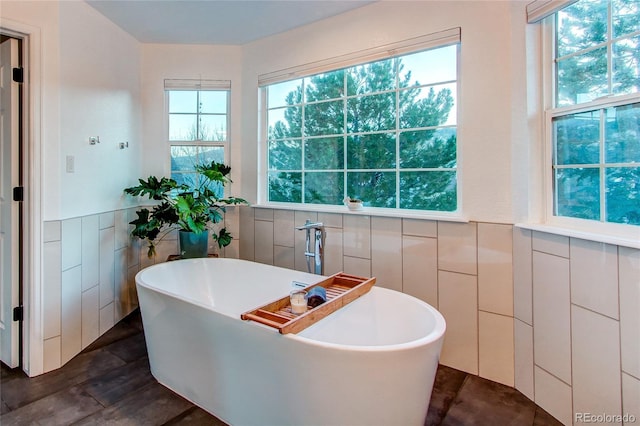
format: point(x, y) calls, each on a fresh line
point(193, 245)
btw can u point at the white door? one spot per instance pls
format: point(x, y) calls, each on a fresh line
point(9, 126)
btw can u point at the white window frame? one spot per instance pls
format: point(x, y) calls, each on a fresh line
point(404, 47)
point(608, 232)
point(198, 85)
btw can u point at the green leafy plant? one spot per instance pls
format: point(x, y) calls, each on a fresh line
point(183, 208)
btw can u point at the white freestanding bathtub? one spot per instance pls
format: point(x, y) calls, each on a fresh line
point(372, 362)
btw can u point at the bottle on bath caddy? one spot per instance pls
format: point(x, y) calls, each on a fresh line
point(316, 297)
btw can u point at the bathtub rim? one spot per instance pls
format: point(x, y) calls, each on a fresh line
point(436, 333)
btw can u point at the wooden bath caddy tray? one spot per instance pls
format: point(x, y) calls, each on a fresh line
point(341, 289)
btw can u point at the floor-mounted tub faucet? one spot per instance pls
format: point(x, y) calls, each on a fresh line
point(317, 254)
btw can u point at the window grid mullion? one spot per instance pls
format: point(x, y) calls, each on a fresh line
point(609, 48)
point(345, 121)
point(397, 169)
point(302, 143)
point(396, 128)
point(603, 199)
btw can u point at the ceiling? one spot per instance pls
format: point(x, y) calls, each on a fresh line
point(216, 21)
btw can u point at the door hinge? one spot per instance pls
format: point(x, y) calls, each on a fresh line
point(18, 75)
point(18, 313)
point(18, 193)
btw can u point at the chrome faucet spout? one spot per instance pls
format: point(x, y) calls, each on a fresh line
point(310, 225)
point(318, 243)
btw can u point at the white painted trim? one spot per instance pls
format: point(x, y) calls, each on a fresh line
point(195, 84)
point(367, 211)
point(33, 344)
point(593, 230)
point(416, 44)
point(539, 9)
point(623, 239)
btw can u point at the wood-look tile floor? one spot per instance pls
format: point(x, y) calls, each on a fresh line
point(110, 383)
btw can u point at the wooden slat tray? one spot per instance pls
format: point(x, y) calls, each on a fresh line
point(341, 289)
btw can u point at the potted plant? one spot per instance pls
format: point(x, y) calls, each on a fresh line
point(190, 211)
point(354, 204)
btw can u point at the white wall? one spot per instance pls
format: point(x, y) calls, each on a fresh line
point(186, 62)
point(43, 15)
point(99, 96)
point(90, 86)
point(491, 33)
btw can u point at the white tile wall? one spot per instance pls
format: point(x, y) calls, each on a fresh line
point(551, 314)
point(90, 251)
point(51, 231)
point(458, 303)
point(550, 243)
point(121, 225)
point(71, 243)
point(523, 358)
point(458, 247)
point(107, 314)
point(247, 235)
point(596, 363)
point(629, 264)
point(51, 290)
point(283, 228)
point(495, 271)
point(357, 266)
point(496, 347)
point(594, 276)
point(263, 214)
point(562, 291)
point(522, 276)
point(630, 398)
point(553, 395)
point(600, 347)
point(51, 350)
point(107, 266)
point(122, 304)
point(330, 220)
point(90, 316)
point(264, 242)
point(284, 257)
point(386, 252)
point(108, 220)
point(357, 236)
point(71, 320)
point(135, 245)
point(79, 273)
point(333, 256)
point(420, 228)
point(420, 268)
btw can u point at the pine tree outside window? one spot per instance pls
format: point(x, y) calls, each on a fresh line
point(383, 131)
point(595, 119)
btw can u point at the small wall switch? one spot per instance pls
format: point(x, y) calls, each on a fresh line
point(71, 167)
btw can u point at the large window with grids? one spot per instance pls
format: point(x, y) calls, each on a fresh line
point(198, 123)
point(384, 131)
point(594, 121)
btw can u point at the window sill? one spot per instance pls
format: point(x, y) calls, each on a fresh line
point(628, 240)
point(366, 211)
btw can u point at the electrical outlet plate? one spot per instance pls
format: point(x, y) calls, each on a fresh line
point(71, 167)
